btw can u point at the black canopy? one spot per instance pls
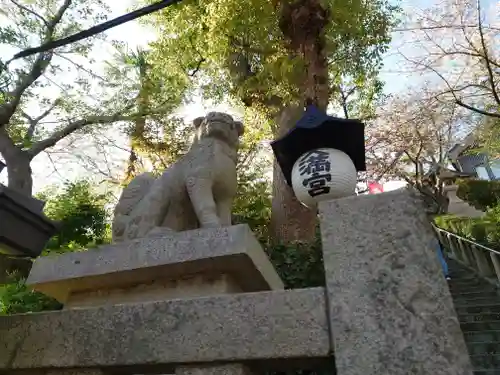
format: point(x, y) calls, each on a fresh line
point(318, 130)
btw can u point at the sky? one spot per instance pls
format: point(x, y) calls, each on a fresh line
point(135, 34)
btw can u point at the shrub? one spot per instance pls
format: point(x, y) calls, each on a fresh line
point(81, 213)
point(17, 298)
point(484, 230)
point(480, 194)
point(298, 265)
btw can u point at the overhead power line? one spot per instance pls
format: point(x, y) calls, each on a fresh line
point(96, 29)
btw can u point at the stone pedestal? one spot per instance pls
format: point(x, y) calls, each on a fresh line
point(390, 308)
point(187, 264)
point(162, 267)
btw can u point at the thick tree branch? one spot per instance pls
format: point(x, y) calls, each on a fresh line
point(6, 142)
point(37, 69)
point(75, 126)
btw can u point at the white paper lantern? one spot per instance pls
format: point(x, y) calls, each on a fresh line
point(323, 174)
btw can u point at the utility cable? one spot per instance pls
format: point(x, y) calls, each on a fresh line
point(95, 29)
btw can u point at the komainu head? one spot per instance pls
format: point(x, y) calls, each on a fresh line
point(218, 125)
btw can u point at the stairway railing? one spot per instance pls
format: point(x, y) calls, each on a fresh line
point(482, 259)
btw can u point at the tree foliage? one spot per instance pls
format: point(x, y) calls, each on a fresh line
point(481, 194)
point(275, 56)
point(81, 214)
point(487, 135)
point(149, 137)
point(240, 49)
point(56, 94)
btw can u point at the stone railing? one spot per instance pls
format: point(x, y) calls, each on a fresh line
point(483, 260)
point(209, 302)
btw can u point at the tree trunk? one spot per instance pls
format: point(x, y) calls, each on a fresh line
point(290, 220)
point(18, 165)
point(20, 175)
point(303, 23)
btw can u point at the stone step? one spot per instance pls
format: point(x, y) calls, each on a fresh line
point(472, 289)
point(493, 293)
point(481, 326)
point(459, 275)
point(463, 309)
point(482, 337)
point(480, 348)
point(486, 317)
point(476, 301)
point(486, 361)
point(487, 372)
point(460, 270)
point(466, 283)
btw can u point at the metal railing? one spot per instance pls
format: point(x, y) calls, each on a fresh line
point(483, 260)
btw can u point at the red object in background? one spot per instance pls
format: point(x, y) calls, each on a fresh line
point(375, 188)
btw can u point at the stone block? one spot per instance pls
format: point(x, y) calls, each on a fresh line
point(390, 308)
point(227, 328)
point(171, 265)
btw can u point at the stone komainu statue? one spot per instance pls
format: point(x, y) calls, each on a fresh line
point(195, 192)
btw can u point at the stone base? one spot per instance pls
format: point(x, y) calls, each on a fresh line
point(157, 290)
point(165, 266)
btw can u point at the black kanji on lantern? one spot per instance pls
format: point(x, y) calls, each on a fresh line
point(315, 167)
point(318, 130)
point(317, 185)
point(314, 162)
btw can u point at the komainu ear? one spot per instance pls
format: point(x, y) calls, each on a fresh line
point(240, 127)
point(198, 121)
